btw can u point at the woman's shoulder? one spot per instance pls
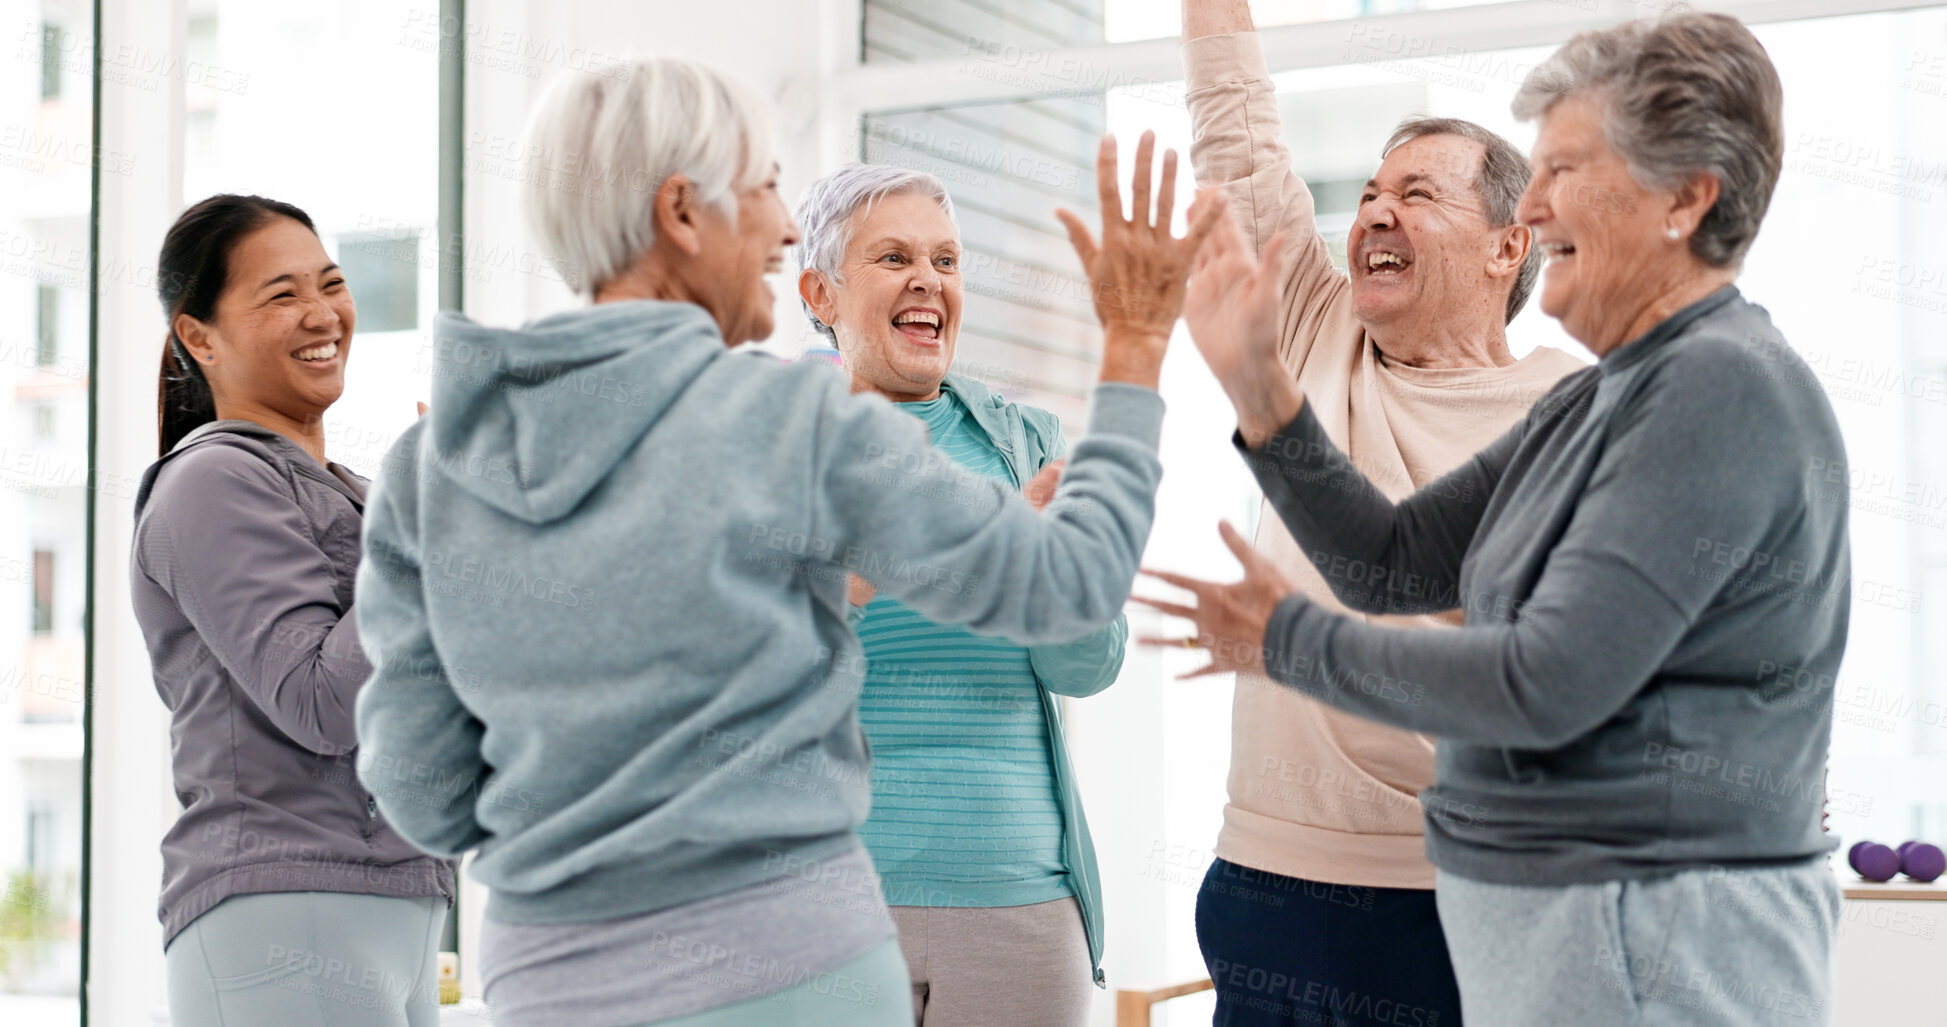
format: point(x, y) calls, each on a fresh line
point(221, 461)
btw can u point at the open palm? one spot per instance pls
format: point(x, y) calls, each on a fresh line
point(1231, 305)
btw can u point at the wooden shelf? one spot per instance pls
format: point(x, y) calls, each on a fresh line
point(1895, 890)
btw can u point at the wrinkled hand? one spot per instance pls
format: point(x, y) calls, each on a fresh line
point(859, 591)
point(1232, 311)
point(1230, 619)
point(1138, 272)
point(1231, 306)
point(1042, 488)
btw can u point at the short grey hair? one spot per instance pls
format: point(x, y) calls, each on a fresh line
point(825, 215)
point(1681, 96)
point(601, 142)
point(1503, 178)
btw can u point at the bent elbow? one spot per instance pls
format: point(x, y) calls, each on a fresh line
point(319, 723)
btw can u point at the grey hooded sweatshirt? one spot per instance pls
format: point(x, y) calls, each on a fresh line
point(605, 594)
point(242, 569)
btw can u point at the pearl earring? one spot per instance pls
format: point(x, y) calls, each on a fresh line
point(1672, 232)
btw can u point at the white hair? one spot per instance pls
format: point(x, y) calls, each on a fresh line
point(825, 215)
point(601, 142)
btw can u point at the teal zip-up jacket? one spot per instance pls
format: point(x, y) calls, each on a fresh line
point(1028, 440)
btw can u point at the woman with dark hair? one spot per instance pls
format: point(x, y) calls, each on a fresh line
point(284, 895)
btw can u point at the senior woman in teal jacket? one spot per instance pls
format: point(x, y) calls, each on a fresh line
point(976, 827)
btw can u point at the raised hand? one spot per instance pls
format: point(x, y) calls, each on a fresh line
point(1230, 619)
point(1139, 270)
point(1231, 305)
point(1232, 311)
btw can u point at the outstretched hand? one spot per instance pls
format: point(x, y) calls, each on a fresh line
point(1138, 271)
point(1230, 619)
point(1232, 303)
point(1232, 310)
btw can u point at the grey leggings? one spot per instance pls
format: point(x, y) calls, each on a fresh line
point(308, 959)
point(1022, 966)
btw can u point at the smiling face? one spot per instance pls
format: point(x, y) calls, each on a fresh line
point(1605, 250)
point(282, 329)
point(726, 275)
point(1421, 242)
point(895, 307)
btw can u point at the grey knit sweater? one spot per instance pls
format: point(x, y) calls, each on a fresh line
point(1654, 570)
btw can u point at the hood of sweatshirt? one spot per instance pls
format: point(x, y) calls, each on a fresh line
point(269, 444)
point(531, 420)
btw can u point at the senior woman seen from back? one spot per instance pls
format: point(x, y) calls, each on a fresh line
point(1633, 722)
point(605, 588)
point(976, 828)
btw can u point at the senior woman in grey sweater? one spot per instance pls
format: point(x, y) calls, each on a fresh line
point(1633, 722)
point(605, 581)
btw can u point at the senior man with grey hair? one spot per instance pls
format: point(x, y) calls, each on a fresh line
point(1319, 905)
point(1611, 646)
point(976, 827)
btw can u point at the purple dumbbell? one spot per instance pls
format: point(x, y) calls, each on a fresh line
point(1875, 862)
point(1921, 861)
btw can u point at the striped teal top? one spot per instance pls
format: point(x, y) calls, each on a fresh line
point(965, 811)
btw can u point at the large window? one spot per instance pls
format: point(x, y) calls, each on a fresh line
point(45, 203)
point(335, 108)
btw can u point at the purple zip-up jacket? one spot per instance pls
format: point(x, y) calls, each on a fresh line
point(242, 569)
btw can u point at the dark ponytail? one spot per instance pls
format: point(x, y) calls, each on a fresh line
point(190, 275)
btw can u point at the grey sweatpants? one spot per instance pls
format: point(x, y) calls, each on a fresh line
point(308, 959)
point(1023, 966)
point(1716, 947)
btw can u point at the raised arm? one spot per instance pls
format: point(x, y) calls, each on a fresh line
point(1238, 147)
point(420, 753)
point(226, 539)
point(1090, 663)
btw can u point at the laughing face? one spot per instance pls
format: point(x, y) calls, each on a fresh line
point(895, 306)
point(1421, 236)
point(1593, 223)
point(282, 329)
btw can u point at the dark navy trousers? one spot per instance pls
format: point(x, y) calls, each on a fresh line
point(1284, 951)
